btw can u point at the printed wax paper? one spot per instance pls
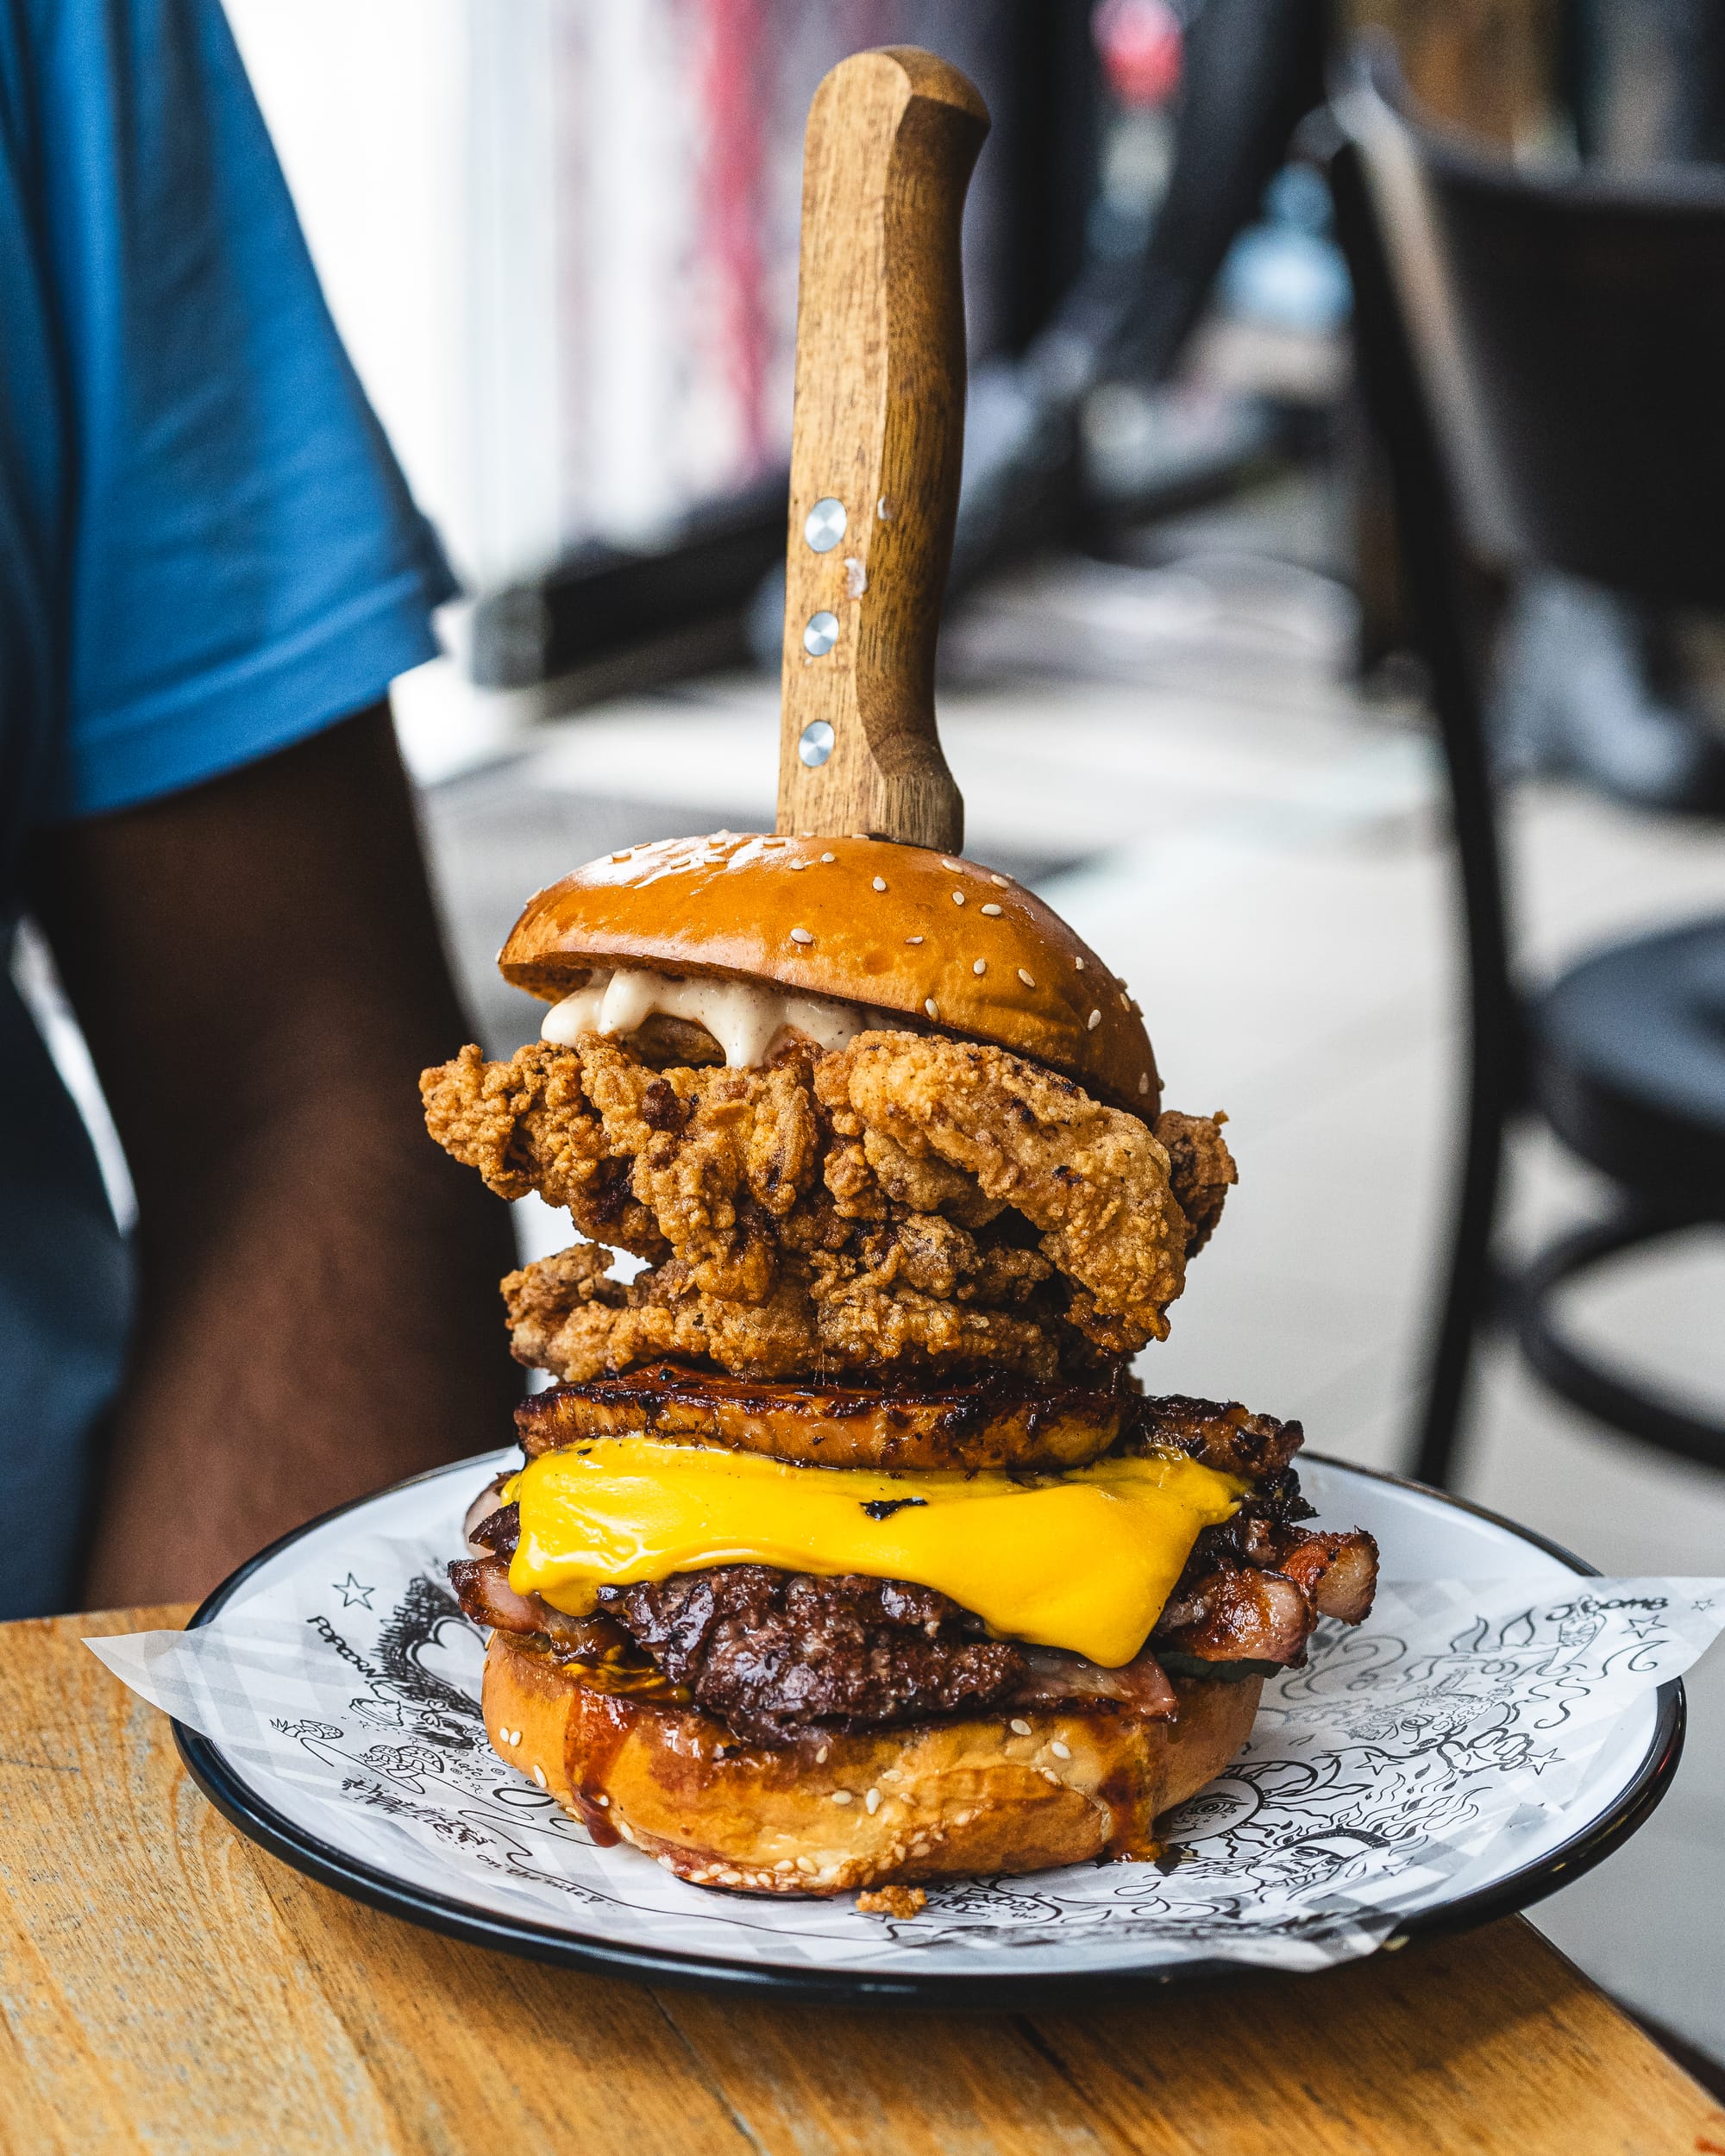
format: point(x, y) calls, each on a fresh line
point(1467, 1729)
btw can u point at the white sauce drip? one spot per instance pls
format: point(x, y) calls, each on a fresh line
point(750, 1019)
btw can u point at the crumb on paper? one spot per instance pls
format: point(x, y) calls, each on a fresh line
point(892, 1901)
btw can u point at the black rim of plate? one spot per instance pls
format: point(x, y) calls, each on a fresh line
point(256, 1818)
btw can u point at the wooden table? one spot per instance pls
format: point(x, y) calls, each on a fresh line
point(168, 1986)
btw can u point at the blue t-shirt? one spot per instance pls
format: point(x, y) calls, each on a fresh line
point(207, 552)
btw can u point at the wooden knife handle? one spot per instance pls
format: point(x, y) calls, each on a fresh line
point(893, 135)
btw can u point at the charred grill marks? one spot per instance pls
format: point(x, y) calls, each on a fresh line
point(1002, 1422)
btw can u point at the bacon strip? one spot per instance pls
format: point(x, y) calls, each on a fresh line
point(482, 1589)
point(1056, 1679)
point(1238, 1614)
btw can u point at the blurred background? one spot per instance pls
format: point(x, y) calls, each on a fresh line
point(1194, 682)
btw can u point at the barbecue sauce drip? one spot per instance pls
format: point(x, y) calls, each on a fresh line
point(1130, 1838)
point(605, 1723)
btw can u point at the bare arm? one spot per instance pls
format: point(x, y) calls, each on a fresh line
point(256, 966)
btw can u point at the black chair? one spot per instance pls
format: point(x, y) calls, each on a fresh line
point(1544, 362)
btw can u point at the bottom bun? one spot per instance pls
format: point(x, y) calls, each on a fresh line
point(830, 1813)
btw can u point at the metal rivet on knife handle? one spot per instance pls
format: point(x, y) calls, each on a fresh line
point(824, 526)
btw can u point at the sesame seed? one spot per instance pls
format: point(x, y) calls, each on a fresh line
point(1004, 882)
point(1143, 1081)
point(829, 857)
point(958, 898)
point(863, 835)
point(806, 1863)
point(954, 865)
point(981, 966)
point(604, 1803)
point(820, 1757)
point(843, 1796)
point(879, 883)
point(624, 856)
point(992, 910)
point(1026, 978)
point(539, 1775)
point(773, 842)
point(1094, 1021)
point(1020, 1724)
point(670, 1865)
point(931, 1006)
point(913, 939)
point(1126, 1003)
point(1061, 1750)
point(873, 1802)
point(802, 864)
point(1048, 1774)
point(1079, 963)
point(802, 936)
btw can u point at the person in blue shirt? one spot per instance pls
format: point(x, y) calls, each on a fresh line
point(210, 569)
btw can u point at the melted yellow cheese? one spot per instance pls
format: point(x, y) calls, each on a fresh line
point(1082, 1560)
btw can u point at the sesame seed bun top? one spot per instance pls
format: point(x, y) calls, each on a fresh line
point(943, 940)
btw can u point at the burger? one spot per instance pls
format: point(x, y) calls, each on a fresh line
point(847, 1553)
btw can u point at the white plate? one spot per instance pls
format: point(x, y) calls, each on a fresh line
point(499, 1864)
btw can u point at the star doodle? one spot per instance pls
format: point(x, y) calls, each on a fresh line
point(351, 1592)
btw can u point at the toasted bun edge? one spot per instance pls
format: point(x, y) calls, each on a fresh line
point(952, 1798)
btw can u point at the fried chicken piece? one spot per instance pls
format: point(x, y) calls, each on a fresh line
point(862, 1325)
point(702, 1140)
point(564, 1320)
point(680, 1161)
point(545, 1299)
point(922, 1287)
point(871, 1176)
point(1093, 1179)
point(1201, 1170)
point(907, 1197)
point(527, 1125)
point(919, 1250)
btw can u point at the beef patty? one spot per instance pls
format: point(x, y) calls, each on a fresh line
point(770, 1652)
point(775, 1655)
